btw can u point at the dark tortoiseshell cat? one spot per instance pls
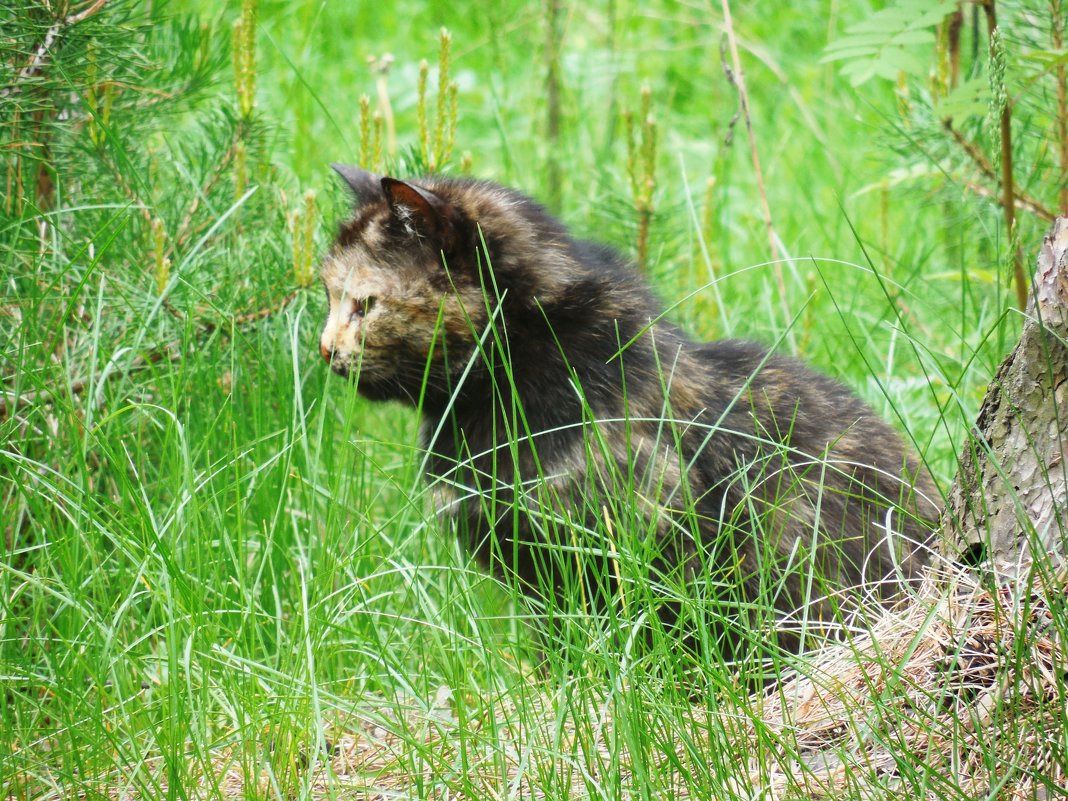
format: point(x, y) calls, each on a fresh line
point(548, 383)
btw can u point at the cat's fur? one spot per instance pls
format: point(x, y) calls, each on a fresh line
point(548, 383)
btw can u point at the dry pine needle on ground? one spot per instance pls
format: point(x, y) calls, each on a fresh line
point(959, 694)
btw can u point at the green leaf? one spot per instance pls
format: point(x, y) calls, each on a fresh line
point(874, 40)
point(969, 99)
point(899, 60)
point(859, 72)
point(935, 15)
point(848, 53)
point(877, 46)
point(913, 38)
point(1047, 58)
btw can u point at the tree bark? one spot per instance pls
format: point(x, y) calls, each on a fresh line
point(1007, 507)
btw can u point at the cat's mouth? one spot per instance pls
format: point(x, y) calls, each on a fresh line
point(343, 368)
point(367, 383)
point(353, 372)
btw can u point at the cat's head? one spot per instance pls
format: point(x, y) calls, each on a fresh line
point(404, 307)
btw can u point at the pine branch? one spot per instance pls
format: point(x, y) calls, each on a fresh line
point(128, 190)
point(1023, 203)
point(43, 52)
point(185, 227)
point(1021, 198)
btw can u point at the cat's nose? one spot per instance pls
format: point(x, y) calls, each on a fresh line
point(324, 351)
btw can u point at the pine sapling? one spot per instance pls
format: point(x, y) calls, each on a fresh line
point(641, 167)
point(302, 226)
point(436, 147)
point(244, 55)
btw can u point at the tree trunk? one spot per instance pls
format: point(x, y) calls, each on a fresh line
point(1007, 504)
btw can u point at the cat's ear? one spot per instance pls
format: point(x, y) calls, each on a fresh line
point(366, 186)
point(421, 211)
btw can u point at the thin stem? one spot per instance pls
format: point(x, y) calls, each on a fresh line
point(1008, 188)
point(554, 117)
point(738, 79)
point(1023, 200)
point(956, 23)
point(1057, 27)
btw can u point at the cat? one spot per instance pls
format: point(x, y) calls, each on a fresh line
point(566, 422)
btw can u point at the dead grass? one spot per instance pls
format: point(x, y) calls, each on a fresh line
point(960, 694)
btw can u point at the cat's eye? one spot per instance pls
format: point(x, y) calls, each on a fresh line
point(360, 307)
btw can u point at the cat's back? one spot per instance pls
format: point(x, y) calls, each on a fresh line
point(771, 403)
point(747, 372)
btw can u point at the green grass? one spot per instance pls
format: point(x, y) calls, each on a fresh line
point(216, 556)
